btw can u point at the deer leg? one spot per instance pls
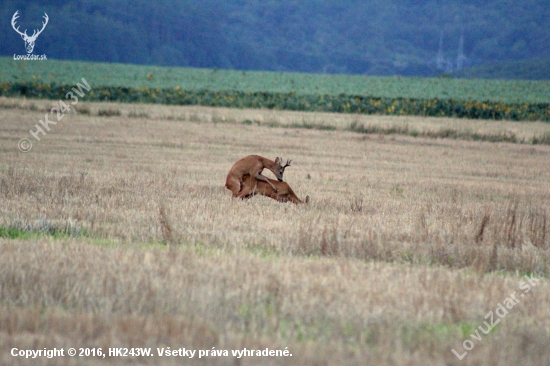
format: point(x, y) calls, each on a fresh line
point(258, 176)
point(248, 188)
point(244, 193)
point(248, 191)
point(234, 185)
point(241, 185)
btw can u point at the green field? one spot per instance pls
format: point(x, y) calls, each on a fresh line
point(443, 97)
point(133, 76)
point(531, 69)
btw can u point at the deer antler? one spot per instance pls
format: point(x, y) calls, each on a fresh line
point(13, 19)
point(287, 163)
point(24, 34)
point(46, 18)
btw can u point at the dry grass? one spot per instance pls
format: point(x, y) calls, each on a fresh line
point(407, 244)
point(70, 293)
point(453, 128)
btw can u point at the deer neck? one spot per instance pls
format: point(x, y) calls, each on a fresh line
point(268, 164)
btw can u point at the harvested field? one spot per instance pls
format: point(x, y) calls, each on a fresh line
point(116, 231)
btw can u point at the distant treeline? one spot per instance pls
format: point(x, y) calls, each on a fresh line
point(377, 37)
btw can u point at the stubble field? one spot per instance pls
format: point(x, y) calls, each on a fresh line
point(116, 231)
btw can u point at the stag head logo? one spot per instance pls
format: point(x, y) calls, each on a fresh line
point(29, 40)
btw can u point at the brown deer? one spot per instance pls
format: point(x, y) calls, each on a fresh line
point(284, 193)
point(253, 165)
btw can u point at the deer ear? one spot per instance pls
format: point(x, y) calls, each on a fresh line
point(277, 160)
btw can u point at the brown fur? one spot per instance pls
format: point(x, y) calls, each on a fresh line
point(284, 193)
point(253, 165)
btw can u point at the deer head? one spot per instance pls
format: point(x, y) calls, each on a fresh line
point(29, 40)
point(280, 169)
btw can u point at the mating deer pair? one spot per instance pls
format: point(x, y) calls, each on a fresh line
point(245, 179)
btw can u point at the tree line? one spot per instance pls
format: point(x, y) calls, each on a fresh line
point(379, 37)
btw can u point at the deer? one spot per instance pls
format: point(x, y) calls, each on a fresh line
point(284, 193)
point(29, 40)
point(253, 165)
